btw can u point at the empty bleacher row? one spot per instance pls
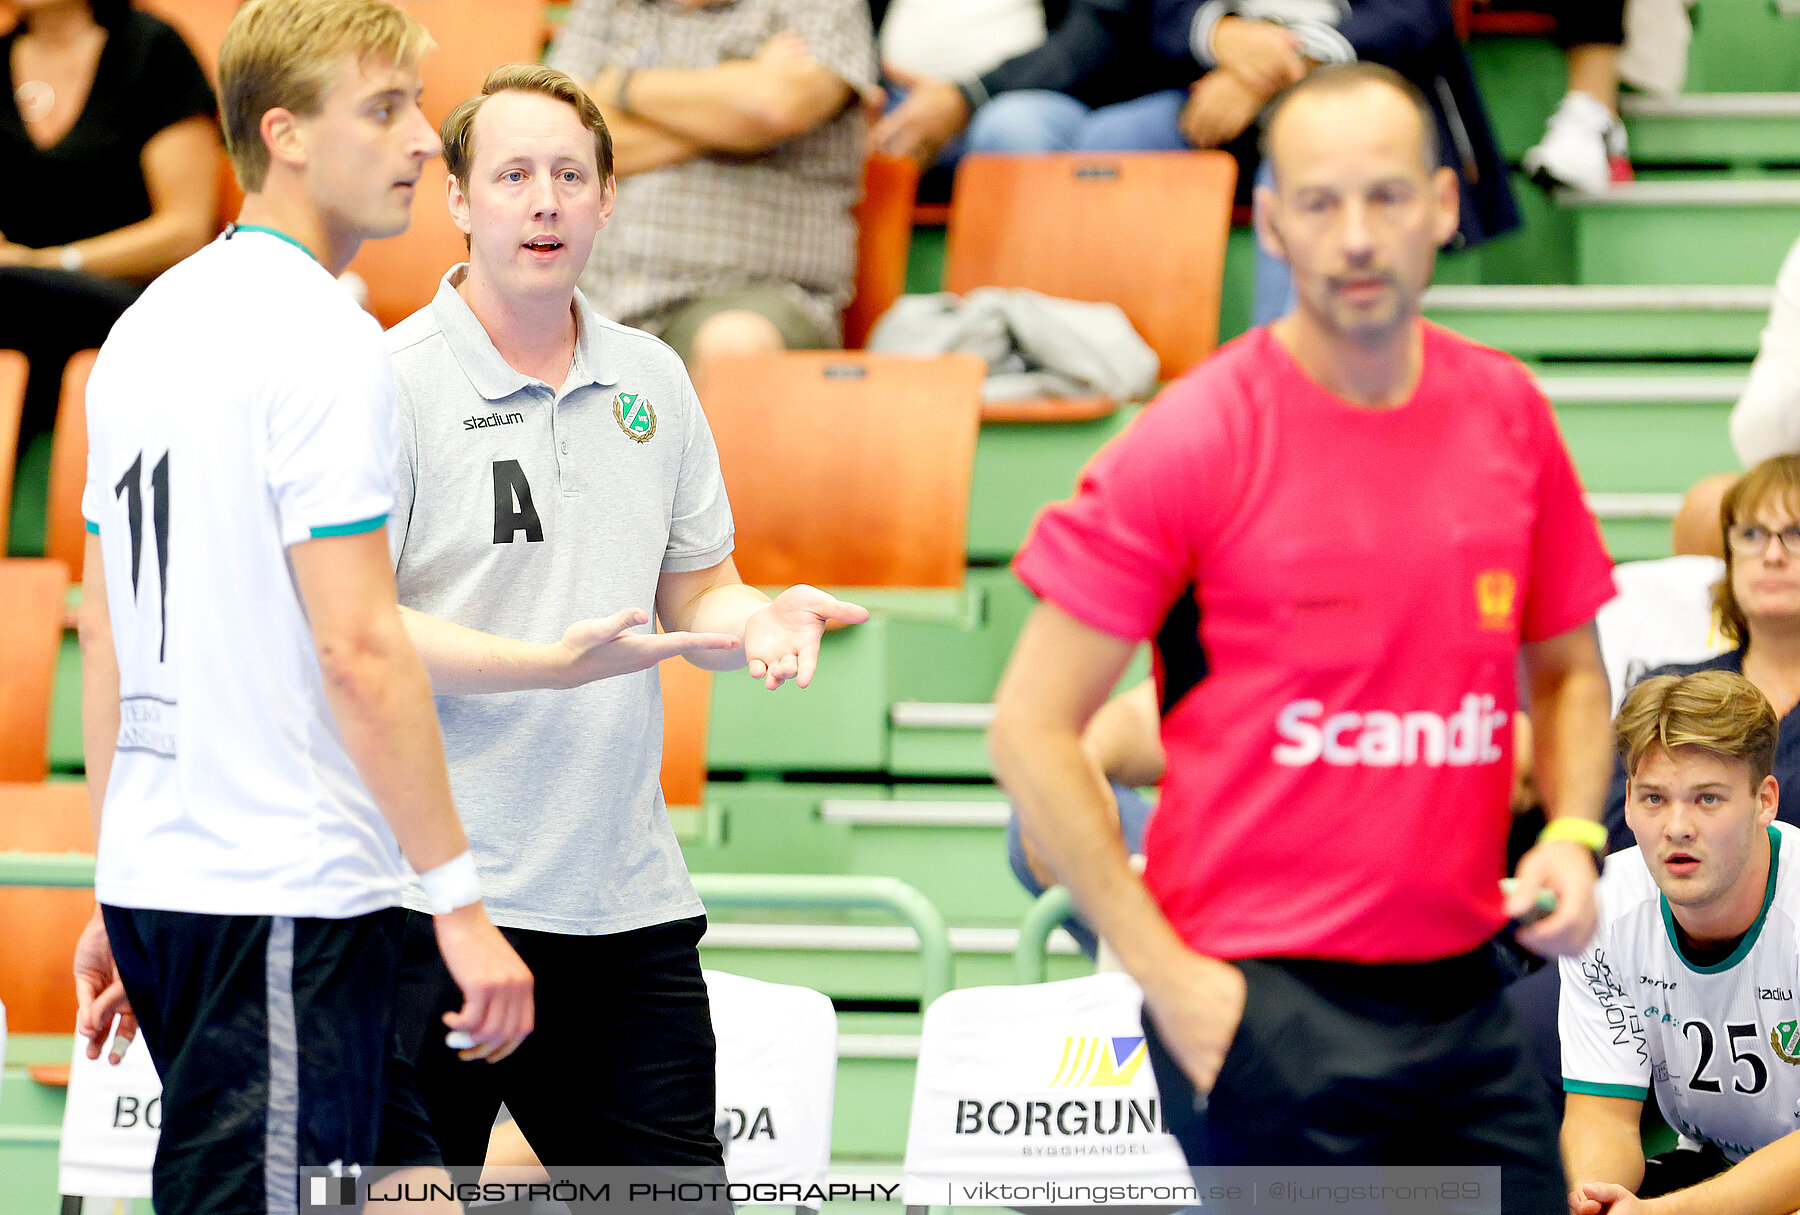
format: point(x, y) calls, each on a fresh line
point(1640, 311)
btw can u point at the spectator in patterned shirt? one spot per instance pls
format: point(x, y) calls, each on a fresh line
point(738, 144)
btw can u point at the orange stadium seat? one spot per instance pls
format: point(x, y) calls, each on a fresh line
point(201, 22)
point(64, 530)
point(32, 591)
point(473, 37)
point(1143, 230)
point(13, 370)
point(687, 698)
point(35, 981)
point(883, 240)
point(847, 469)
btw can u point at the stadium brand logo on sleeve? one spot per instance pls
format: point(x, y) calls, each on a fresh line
point(1785, 1038)
point(493, 419)
point(1099, 1062)
point(635, 417)
point(1496, 594)
point(1379, 738)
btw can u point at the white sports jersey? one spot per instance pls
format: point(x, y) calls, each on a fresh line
point(1719, 1042)
point(242, 405)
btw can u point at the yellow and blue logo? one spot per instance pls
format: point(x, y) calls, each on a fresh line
point(1099, 1062)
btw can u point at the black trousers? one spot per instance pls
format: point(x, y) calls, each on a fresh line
point(1339, 1064)
point(620, 1067)
point(1679, 1169)
point(1578, 22)
point(274, 1038)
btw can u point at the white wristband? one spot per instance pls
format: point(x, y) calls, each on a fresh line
point(452, 884)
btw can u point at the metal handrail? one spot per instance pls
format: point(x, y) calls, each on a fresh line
point(833, 892)
point(1030, 956)
point(818, 892)
point(74, 869)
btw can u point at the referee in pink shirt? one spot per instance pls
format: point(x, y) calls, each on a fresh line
point(1347, 534)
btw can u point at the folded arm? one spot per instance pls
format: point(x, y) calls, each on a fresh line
point(743, 106)
point(1601, 1142)
point(181, 173)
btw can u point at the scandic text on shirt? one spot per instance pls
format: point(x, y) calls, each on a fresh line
point(1381, 738)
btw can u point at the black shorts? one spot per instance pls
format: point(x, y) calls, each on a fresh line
point(1679, 1169)
point(1578, 22)
point(1339, 1064)
point(275, 1041)
point(619, 1070)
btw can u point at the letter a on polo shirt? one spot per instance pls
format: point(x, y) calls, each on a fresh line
point(512, 505)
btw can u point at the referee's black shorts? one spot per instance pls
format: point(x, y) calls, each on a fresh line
point(274, 1038)
point(1343, 1064)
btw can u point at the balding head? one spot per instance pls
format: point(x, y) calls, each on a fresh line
point(1358, 207)
point(1366, 88)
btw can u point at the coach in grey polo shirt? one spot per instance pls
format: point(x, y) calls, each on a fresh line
point(519, 504)
point(554, 465)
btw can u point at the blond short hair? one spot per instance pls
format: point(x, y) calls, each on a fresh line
point(281, 54)
point(458, 131)
point(1774, 481)
point(1716, 711)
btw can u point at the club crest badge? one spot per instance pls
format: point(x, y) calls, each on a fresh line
point(634, 415)
point(1496, 597)
point(1786, 1041)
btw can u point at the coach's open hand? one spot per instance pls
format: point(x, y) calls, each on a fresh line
point(99, 994)
point(497, 1006)
point(1566, 869)
point(608, 646)
point(1197, 1005)
point(781, 641)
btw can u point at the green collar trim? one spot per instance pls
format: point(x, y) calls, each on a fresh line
point(234, 229)
point(1749, 940)
point(356, 528)
point(1631, 1092)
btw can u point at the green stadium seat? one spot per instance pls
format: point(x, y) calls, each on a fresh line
point(1701, 231)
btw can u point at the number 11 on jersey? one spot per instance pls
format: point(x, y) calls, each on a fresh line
point(131, 489)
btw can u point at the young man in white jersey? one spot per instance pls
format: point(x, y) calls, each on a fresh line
point(1689, 985)
point(551, 459)
point(260, 739)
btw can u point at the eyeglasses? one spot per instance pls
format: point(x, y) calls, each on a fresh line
point(1752, 539)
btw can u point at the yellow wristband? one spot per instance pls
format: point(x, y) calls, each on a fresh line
point(1582, 830)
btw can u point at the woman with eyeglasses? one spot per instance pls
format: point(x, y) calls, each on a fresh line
point(1757, 607)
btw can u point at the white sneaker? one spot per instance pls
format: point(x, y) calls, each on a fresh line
point(1583, 147)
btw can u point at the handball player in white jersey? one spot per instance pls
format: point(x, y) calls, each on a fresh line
point(1688, 988)
point(260, 739)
